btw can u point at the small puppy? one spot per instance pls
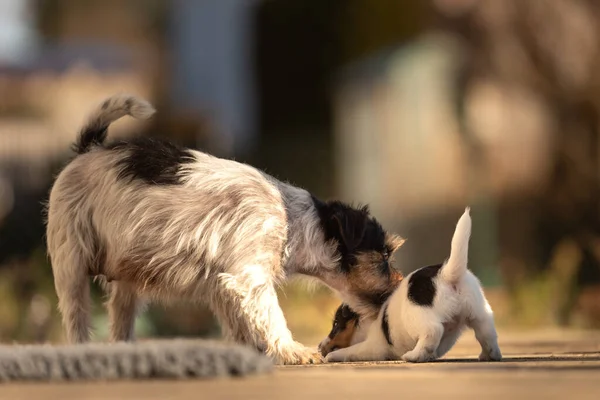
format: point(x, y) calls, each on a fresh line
point(154, 221)
point(424, 317)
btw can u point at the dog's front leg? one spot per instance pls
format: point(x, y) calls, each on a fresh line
point(249, 311)
point(122, 307)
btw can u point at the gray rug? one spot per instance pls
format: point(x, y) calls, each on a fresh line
point(167, 359)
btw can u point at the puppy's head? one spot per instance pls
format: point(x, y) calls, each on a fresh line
point(364, 276)
point(345, 324)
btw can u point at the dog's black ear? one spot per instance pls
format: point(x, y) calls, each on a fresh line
point(345, 224)
point(350, 224)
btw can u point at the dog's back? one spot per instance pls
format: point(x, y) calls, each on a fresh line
point(134, 211)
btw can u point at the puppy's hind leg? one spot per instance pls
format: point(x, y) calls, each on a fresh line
point(427, 344)
point(485, 333)
point(247, 305)
point(448, 341)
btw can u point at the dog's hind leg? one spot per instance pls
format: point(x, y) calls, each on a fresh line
point(72, 256)
point(72, 286)
point(122, 310)
point(247, 305)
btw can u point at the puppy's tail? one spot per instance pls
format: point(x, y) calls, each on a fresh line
point(94, 132)
point(456, 265)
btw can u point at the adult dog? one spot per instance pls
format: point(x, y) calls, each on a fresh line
point(160, 222)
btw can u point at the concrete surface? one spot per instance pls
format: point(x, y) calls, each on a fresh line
point(548, 365)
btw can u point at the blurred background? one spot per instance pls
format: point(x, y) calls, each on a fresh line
point(417, 107)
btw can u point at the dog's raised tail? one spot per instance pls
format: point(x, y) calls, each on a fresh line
point(94, 132)
point(456, 265)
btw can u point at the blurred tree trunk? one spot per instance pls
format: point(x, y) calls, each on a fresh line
point(550, 48)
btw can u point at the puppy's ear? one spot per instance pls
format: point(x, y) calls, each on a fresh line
point(394, 242)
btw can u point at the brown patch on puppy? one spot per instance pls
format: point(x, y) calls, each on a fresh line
point(344, 338)
point(341, 340)
point(345, 323)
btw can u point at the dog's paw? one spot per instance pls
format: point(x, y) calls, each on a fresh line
point(299, 355)
point(492, 354)
point(415, 356)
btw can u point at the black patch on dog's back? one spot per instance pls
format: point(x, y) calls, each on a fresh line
point(156, 162)
point(385, 326)
point(421, 288)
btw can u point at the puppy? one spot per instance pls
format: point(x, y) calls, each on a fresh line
point(425, 316)
point(156, 222)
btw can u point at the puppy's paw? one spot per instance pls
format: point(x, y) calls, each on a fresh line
point(299, 355)
point(491, 354)
point(336, 356)
point(416, 356)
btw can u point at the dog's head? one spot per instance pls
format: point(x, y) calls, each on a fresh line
point(345, 324)
point(364, 277)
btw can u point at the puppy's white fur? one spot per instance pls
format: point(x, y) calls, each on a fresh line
point(424, 333)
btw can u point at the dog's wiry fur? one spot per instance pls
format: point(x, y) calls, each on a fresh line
point(424, 317)
point(158, 222)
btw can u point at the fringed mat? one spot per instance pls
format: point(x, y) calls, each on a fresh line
point(166, 359)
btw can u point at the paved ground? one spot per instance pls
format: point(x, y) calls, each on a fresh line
point(549, 365)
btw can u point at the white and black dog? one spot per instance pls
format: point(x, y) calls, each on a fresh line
point(423, 318)
point(158, 222)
